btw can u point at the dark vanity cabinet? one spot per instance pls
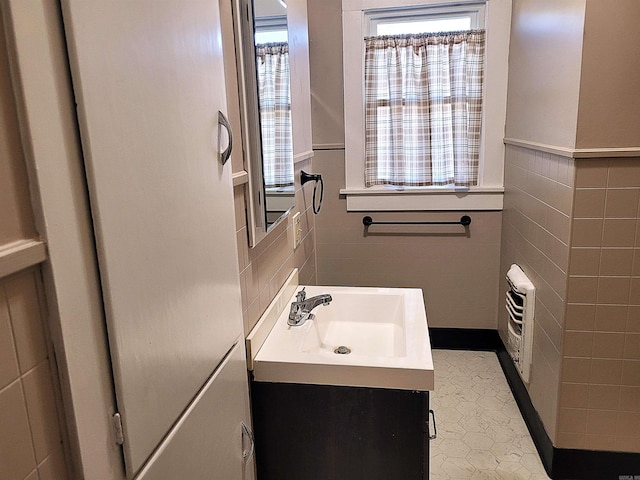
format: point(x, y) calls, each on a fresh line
point(323, 432)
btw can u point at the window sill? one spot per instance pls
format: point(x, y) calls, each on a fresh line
point(387, 199)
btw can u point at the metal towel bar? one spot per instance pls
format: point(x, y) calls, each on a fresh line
point(464, 220)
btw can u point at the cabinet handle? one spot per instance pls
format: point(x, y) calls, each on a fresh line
point(435, 430)
point(222, 120)
point(247, 433)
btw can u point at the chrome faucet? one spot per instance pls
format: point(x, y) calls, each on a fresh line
point(301, 309)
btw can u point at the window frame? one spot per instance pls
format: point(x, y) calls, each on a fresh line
point(475, 10)
point(488, 194)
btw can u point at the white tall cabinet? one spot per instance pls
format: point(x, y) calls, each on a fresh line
point(148, 79)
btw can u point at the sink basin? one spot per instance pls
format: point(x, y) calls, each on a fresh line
point(384, 331)
point(367, 323)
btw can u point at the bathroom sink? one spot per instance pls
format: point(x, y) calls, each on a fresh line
point(365, 323)
point(366, 337)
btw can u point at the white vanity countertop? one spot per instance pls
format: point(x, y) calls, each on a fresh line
point(385, 328)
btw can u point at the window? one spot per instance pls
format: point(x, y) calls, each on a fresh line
point(423, 97)
point(396, 161)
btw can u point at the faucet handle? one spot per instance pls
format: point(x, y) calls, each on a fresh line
point(301, 295)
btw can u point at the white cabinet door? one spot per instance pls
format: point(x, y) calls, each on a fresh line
point(207, 443)
point(149, 81)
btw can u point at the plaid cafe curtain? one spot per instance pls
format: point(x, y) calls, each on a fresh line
point(272, 61)
point(423, 108)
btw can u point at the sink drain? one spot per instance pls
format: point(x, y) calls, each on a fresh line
point(342, 350)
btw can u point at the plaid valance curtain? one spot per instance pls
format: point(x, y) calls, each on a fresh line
point(423, 111)
point(275, 113)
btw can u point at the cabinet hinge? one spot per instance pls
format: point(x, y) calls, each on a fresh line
point(116, 421)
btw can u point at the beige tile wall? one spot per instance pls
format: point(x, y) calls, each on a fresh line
point(574, 228)
point(600, 392)
point(536, 236)
point(31, 440)
point(264, 269)
point(456, 269)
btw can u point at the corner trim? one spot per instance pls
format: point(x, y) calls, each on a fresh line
point(583, 153)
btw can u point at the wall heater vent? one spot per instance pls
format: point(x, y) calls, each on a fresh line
point(519, 302)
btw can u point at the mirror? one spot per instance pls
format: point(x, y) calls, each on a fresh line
point(265, 80)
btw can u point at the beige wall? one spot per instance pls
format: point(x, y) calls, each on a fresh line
point(15, 206)
point(458, 273)
point(536, 236)
point(325, 50)
point(456, 269)
point(609, 107)
point(579, 242)
point(600, 391)
point(544, 71)
point(572, 73)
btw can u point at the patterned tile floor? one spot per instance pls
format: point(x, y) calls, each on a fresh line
point(481, 434)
